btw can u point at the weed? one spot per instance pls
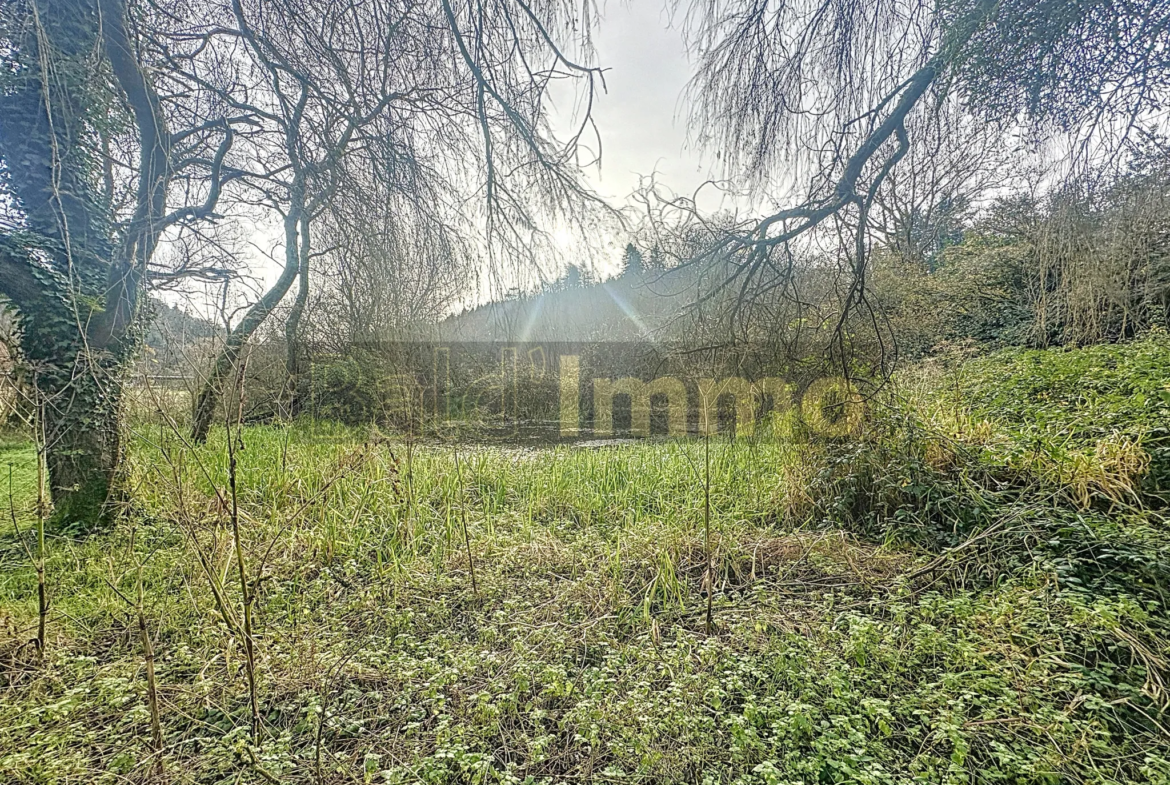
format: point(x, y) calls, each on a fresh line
point(924, 601)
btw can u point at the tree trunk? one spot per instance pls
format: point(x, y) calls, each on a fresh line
point(237, 339)
point(292, 326)
point(72, 274)
point(83, 452)
point(77, 386)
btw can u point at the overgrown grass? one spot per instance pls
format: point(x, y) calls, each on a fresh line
point(916, 603)
point(1110, 401)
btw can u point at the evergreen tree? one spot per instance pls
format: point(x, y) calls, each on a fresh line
point(632, 263)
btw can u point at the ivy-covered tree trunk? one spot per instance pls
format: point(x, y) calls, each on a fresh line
point(83, 434)
point(77, 387)
point(72, 272)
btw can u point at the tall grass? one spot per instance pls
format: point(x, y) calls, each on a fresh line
point(913, 602)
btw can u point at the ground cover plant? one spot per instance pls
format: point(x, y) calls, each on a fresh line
point(970, 589)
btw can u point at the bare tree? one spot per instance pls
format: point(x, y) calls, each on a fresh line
point(393, 263)
point(830, 90)
point(956, 164)
point(445, 100)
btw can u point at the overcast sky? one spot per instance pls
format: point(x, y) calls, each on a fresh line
point(640, 115)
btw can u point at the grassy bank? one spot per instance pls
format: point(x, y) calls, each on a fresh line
point(965, 592)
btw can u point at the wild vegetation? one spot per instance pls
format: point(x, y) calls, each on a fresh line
point(972, 586)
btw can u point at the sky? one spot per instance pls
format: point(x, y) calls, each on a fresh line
point(640, 115)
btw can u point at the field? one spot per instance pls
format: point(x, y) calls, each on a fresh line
point(971, 589)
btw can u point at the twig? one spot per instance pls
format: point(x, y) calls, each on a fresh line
point(241, 565)
point(463, 520)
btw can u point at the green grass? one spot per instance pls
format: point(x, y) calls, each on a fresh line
point(915, 604)
point(18, 473)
